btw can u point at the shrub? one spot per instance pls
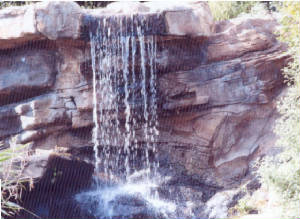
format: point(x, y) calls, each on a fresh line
point(4, 4)
point(230, 9)
point(93, 4)
point(12, 161)
point(83, 4)
point(282, 173)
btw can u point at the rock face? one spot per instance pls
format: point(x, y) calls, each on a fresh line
point(218, 83)
point(28, 74)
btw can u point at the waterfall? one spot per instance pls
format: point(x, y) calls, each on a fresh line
point(125, 116)
point(95, 107)
point(124, 97)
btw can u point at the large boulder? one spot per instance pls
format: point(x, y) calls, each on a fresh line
point(17, 25)
point(58, 19)
point(45, 20)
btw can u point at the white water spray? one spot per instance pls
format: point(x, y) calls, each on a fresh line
point(124, 100)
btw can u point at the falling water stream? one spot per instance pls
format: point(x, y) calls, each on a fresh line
point(125, 121)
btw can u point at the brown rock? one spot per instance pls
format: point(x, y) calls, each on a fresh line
point(239, 36)
point(196, 20)
point(29, 73)
point(9, 122)
point(41, 112)
point(51, 20)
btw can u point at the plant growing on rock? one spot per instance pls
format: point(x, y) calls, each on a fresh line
point(93, 4)
point(229, 9)
point(281, 174)
point(12, 161)
point(5, 4)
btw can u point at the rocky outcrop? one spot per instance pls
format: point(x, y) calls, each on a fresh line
point(217, 83)
point(19, 25)
point(26, 75)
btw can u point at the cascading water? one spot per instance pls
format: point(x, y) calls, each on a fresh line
point(126, 123)
point(123, 96)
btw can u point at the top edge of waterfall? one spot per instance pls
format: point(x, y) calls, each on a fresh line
point(150, 7)
point(105, 14)
point(163, 19)
point(152, 24)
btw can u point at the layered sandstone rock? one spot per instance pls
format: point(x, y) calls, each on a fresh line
point(218, 83)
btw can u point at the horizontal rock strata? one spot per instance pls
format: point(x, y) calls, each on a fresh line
point(218, 82)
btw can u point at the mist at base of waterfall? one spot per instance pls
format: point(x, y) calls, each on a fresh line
point(136, 198)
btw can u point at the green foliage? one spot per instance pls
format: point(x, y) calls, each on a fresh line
point(4, 4)
point(11, 166)
point(230, 9)
point(282, 173)
point(83, 4)
point(56, 175)
point(93, 4)
point(244, 206)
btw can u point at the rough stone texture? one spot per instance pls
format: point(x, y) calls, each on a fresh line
point(232, 99)
point(58, 19)
point(26, 74)
point(51, 20)
point(37, 164)
point(196, 20)
point(9, 122)
point(17, 25)
point(218, 85)
point(249, 39)
point(23, 17)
